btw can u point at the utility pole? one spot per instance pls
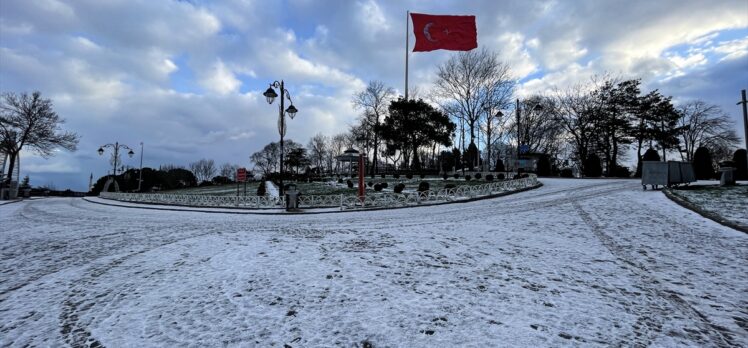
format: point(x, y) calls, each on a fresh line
point(745, 117)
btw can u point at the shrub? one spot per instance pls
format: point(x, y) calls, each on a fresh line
point(261, 189)
point(383, 176)
point(499, 166)
point(377, 187)
point(396, 176)
point(350, 184)
point(370, 184)
point(449, 186)
point(702, 164)
point(544, 166)
point(478, 176)
point(651, 155)
point(445, 176)
point(456, 176)
point(467, 177)
point(501, 176)
point(622, 172)
point(340, 181)
point(741, 164)
point(423, 175)
point(399, 188)
point(567, 173)
point(592, 167)
point(409, 175)
point(384, 185)
point(423, 186)
point(489, 177)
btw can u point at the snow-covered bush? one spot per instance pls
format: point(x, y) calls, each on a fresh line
point(399, 188)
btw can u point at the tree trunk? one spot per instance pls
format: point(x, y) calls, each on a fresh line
point(639, 159)
point(12, 158)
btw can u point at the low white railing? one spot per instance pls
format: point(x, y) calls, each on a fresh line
point(344, 202)
point(376, 200)
point(198, 200)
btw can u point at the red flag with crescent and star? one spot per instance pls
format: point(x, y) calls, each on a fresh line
point(454, 33)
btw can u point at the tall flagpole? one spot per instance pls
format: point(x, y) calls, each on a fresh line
point(407, 28)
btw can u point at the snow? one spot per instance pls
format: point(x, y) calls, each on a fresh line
point(576, 262)
point(271, 189)
point(730, 202)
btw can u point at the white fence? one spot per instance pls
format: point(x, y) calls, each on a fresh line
point(344, 202)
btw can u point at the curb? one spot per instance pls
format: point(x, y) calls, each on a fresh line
point(311, 213)
point(709, 215)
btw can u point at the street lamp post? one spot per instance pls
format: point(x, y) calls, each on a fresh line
point(140, 178)
point(270, 95)
point(116, 146)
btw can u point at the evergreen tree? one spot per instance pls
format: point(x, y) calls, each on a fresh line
point(702, 164)
point(414, 123)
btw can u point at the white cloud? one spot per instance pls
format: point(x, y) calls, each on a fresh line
point(219, 79)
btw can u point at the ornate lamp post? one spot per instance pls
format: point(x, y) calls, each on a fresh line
point(116, 146)
point(270, 95)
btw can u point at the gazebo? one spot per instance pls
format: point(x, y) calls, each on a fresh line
point(350, 156)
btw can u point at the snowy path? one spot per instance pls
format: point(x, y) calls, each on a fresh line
point(576, 262)
point(271, 189)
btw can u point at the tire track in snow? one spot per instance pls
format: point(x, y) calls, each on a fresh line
point(716, 334)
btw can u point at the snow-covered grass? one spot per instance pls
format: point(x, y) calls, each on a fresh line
point(577, 262)
point(217, 190)
point(729, 202)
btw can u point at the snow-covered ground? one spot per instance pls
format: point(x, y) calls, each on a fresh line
point(576, 262)
point(270, 189)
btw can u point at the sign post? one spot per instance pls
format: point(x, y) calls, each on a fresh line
point(241, 176)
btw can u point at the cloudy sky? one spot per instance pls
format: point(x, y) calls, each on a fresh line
point(186, 77)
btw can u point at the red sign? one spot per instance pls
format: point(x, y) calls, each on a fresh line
point(241, 174)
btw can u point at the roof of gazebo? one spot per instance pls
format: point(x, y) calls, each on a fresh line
point(349, 155)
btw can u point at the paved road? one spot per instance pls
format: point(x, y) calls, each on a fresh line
point(576, 262)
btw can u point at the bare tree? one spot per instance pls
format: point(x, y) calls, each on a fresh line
point(705, 125)
point(338, 144)
point(540, 131)
point(374, 101)
point(318, 149)
point(228, 170)
point(472, 84)
point(266, 160)
point(575, 114)
point(30, 121)
point(204, 169)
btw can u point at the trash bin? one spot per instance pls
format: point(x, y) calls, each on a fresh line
point(292, 197)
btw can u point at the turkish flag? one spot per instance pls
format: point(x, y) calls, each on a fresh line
point(454, 33)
